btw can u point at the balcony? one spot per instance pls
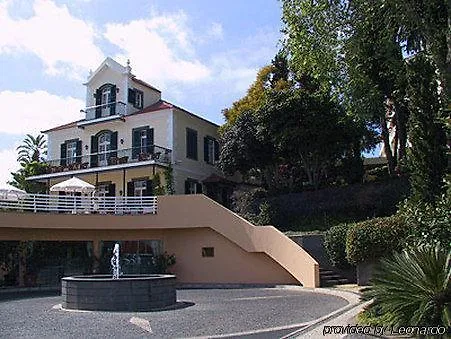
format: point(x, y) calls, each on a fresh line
point(104, 112)
point(81, 204)
point(128, 157)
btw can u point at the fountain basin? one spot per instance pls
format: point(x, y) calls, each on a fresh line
point(134, 293)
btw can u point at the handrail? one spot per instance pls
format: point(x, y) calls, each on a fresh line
point(81, 204)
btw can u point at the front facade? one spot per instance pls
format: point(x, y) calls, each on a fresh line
point(129, 138)
point(128, 145)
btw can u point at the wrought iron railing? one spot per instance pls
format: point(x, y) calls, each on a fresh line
point(156, 153)
point(81, 204)
point(105, 110)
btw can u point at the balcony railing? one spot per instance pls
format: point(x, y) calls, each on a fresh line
point(155, 153)
point(106, 110)
point(81, 204)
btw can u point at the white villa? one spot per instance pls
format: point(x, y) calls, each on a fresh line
point(128, 135)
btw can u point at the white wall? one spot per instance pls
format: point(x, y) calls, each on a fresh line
point(185, 167)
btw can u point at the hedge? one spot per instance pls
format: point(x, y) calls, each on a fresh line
point(372, 239)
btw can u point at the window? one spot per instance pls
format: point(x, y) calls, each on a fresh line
point(105, 101)
point(143, 141)
point(71, 152)
point(191, 144)
point(193, 187)
point(208, 252)
point(211, 150)
point(104, 148)
point(140, 188)
point(136, 97)
point(102, 190)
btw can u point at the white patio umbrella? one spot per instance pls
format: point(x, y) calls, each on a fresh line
point(73, 185)
point(9, 192)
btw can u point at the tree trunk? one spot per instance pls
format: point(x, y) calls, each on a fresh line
point(387, 149)
point(402, 116)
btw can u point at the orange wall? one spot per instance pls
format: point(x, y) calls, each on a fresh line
point(243, 252)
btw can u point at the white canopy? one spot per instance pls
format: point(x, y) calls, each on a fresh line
point(73, 185)
point(10, 192)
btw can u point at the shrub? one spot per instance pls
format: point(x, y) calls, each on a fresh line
point(372, 239)
point(428, 224)
point(250, 204)
point(163, 261)
point(335, 244)
point(413, 288)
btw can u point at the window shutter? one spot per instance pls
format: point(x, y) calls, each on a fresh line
point(78, 152)
point(149, 188)
point(195, 144)
point(113, 100)
point(206, 139)
point(135, 143)
point(130, 189)
point(98, 103)
point(131, 96)
point(113, 144)
point(63, 154)
point(94, 150)
point(149, 140)
point(216, 150)
point(111, 190)
point(198, 188)
point(187, 187)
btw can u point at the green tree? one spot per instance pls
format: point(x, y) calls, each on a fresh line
point(32, 149)
point(309, 131)
point(427, 158)
point(271, 77)
point(27, 170)
point(244, 148)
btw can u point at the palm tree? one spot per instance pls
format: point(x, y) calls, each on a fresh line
point(414, 288)
point(32, 149)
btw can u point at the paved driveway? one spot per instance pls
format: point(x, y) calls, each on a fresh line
point(255, 312)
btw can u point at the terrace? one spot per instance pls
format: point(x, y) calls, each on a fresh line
point(88, 204)
point(128, 157)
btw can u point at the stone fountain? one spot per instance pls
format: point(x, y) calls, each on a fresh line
point(119, 292)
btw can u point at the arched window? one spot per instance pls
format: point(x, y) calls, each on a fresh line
point(105, 100)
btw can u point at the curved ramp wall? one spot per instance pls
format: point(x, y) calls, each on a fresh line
point(245, 253)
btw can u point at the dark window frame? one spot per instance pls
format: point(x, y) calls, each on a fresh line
point(191, 144)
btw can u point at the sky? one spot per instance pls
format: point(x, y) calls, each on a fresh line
point(202, 55)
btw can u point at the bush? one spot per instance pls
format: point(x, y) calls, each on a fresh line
point(372, 239)
point(412, 288)
point(428, 224)
point(335, 244)
point(252, 205)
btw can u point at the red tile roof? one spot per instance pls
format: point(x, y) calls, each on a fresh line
point(68, 125)
point(158, 106)
point(142, 82)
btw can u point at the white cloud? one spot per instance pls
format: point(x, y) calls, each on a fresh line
point(216, 31)
point(32, 112)
point(160, 49)
point(65, 44)
point(9, 164)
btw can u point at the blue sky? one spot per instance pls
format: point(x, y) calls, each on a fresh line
point(203, 55)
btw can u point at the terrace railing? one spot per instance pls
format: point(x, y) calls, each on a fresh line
point(117, 108)
point(81, 204)
point(156, 153)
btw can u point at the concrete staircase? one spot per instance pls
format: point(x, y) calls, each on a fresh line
point(329, 277)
